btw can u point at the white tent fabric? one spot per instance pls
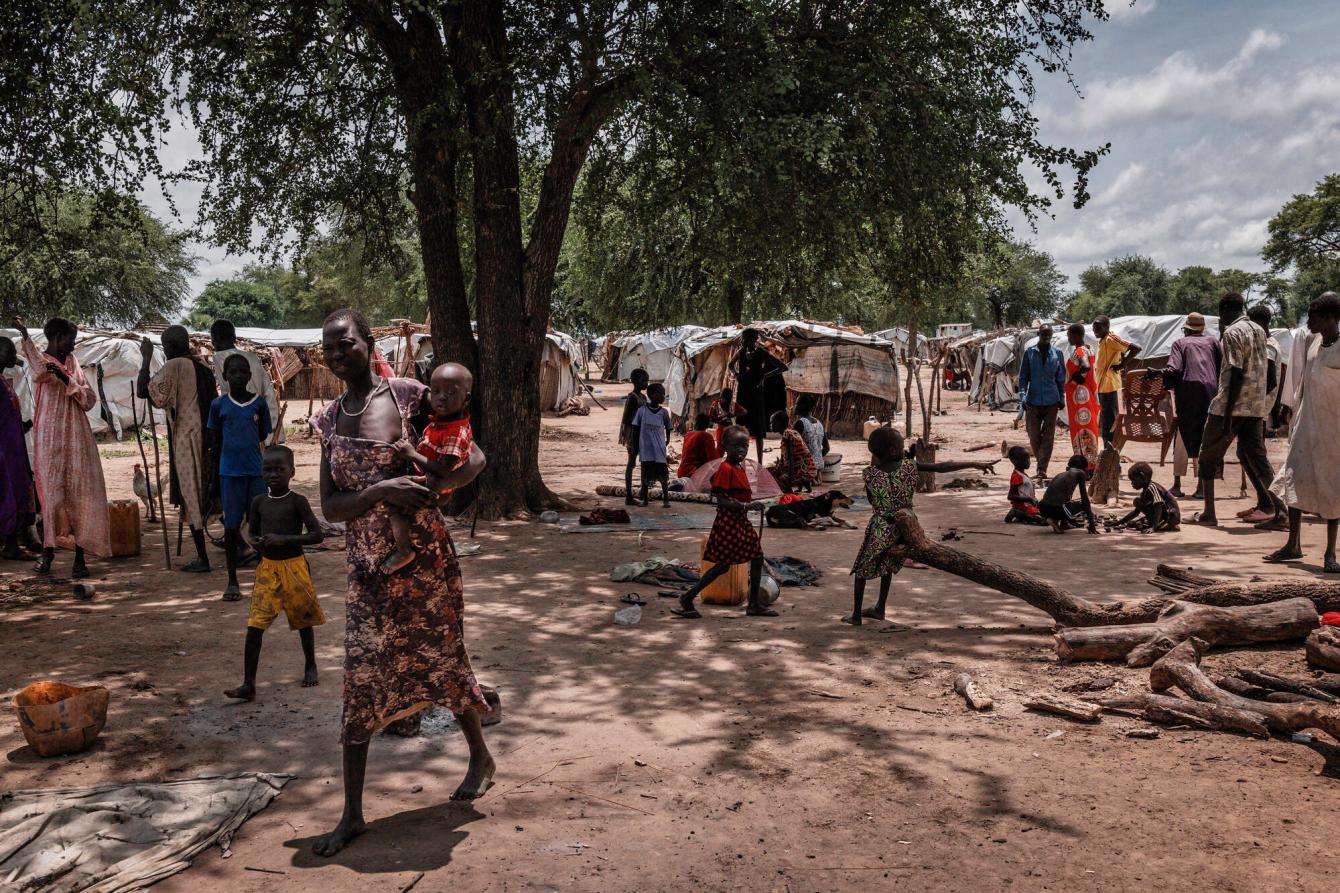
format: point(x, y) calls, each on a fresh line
point(281, 337)
point(898, 335)
point(652, 351)
point(677, 378)
point(118, 355)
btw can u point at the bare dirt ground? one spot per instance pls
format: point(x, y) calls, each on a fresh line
point(796, 753)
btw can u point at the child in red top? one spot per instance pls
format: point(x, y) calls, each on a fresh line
point(1023, 495)
point(700, 447)
point(733, 539)
point(445, 445)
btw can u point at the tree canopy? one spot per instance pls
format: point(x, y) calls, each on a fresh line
point(244, 302)
point(100, 259)
point(775, 129)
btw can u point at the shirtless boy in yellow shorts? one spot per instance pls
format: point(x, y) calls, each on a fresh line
point(281, 522)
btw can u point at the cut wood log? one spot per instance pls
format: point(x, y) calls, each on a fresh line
point(1180, 668)
point(1143, 643)
point(1239, 687)
point(1292, 686)
point(1167, 710)
point(1175, 580)
point(1068, 609)
point(978, 447)
point(1070, 708)
point(1323, 649)
point(964, 685)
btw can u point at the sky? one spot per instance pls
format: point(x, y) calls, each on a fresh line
point(1217, 112)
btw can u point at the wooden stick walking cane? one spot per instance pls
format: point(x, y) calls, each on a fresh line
point(158, 476)
point(139, 439)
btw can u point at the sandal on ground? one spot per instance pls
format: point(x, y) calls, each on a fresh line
point(1197, 519)
point(760, 612)
point(686, 614)
point(1279, 556)
point(632, 598)
point(1257, 516)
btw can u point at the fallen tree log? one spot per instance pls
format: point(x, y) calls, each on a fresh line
point(964, 685)
point(1180, 668)
point(1323, 649)
point(1141, 644)
point(1176, 580)
point(1171, 711)
point(1070, 708)
point(1068, 609)
point(1283, 684)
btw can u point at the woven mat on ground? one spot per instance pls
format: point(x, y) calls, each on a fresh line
point(122, 837)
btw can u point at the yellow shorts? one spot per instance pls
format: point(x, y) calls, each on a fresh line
point(284, 586)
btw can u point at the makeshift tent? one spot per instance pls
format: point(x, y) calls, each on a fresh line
point(111, 363)
point(852, 375)
point(652, 351)
point(898, 336)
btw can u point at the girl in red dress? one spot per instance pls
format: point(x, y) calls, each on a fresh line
point(733, 539)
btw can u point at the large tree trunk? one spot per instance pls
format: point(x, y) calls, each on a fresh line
point(1141, 644)
point(1180, 668)
point(511, 328)
point(1068, 609)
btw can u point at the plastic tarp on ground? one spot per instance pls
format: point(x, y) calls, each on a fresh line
point(652, 351)
point(111, 363)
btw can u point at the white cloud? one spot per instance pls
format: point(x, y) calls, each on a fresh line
point(1122, 184)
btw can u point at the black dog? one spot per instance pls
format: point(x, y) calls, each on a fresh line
point(802, 514)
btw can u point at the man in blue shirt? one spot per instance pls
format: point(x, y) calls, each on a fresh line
point(1042, 384)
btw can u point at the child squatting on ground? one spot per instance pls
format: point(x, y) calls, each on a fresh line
point(240, 421)
point(444, 447)
point(1022, 494)
point(652, 423)
point(1155, 508)
point(1059, 508)
point(280, 523)
point(890, 483)
point(733, 539)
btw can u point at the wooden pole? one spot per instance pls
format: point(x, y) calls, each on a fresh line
point(158, 476)
point(144, 458)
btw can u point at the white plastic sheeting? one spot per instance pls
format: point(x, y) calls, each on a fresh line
point(118, 356)
point(899, 336)
point(652, 351)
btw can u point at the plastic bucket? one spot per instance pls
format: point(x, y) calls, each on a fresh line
point(832, 468)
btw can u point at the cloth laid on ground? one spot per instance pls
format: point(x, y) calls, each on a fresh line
point(624, 573)
point(122, 837)
point(789, 571)
point(656, 571)
point(641, 523)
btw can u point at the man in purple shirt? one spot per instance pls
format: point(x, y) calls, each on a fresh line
point(1192, 374)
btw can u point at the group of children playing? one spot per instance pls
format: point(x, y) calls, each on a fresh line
point(255, 484)
point(1155, 508)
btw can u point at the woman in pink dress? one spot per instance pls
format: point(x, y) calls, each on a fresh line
point(1081, 397)
point(66, 463)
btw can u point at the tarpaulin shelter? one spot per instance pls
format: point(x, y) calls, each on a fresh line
point(651, 351)
point(852, 375)
point(111, 363)
point(899, 337)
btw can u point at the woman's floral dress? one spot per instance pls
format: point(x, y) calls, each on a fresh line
point(404, 637)
point(888, 494)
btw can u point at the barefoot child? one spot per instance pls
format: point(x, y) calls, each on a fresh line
point(733, 539)
point(1022, 495)
point(240, 422)
point(1156, 509)
point(445, 445)
point(628, 432)
point(1059, 508)
point(890, 482)
point(276, 526)
point(653, 436)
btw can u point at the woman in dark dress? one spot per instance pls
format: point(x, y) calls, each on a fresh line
point(404, 637)
point(754, 367)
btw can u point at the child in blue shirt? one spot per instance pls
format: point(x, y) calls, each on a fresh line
point(240, 421)
point(653, 426)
